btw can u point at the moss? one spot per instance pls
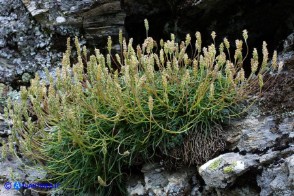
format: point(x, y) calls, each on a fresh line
point(214, 165)
point(230, 168)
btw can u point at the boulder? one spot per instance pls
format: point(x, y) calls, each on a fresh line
point(222, 171)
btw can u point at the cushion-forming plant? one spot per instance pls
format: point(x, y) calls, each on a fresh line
point(103, 113)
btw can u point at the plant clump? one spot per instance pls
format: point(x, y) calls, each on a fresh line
point(93, 121)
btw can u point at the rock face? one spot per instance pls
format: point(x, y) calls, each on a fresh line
point(261, 134)
point(278, 178)
point(24, 47)
point(95, 20)
point(35, 32)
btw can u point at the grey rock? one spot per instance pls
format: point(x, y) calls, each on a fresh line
point(222, 171)
point(137, 189)
point(31, 41)
point(277, 179)
point(288, 43)
point(13, 169)
point(196, 187)
point(33, 9)
point(271, 155)
point(290, 164)
point(98, 19)
point(287, 126)
point(23, 44)
point(6, 132)
point(14, 95)
point(5, 192)
point(258, 135)
point(159, 182)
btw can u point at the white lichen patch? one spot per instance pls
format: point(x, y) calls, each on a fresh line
point(239, 165)
point(60, 19)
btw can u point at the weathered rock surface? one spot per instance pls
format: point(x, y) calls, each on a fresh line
point(24, 46)
point(222, 171)
point(34, 32)
point(263, 133)
point(278, 178)
point(159, 182)
point(95, 20)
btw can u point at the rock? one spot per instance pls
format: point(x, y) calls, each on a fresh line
point(159, 182)
point(234, 191)
point(271, 155)
point(33, 9)
point(257, 135)
point(222, 171)
point(277, 179)
point(13, 169)
point(137, 189)
point(97, 19)
point(290, 164)
point(5, 192)
point(103, 21)
point(23, 45)
point(289, 43)
point(287, 126)
point(6, 132)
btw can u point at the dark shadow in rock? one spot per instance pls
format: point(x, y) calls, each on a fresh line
point(248, 179)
